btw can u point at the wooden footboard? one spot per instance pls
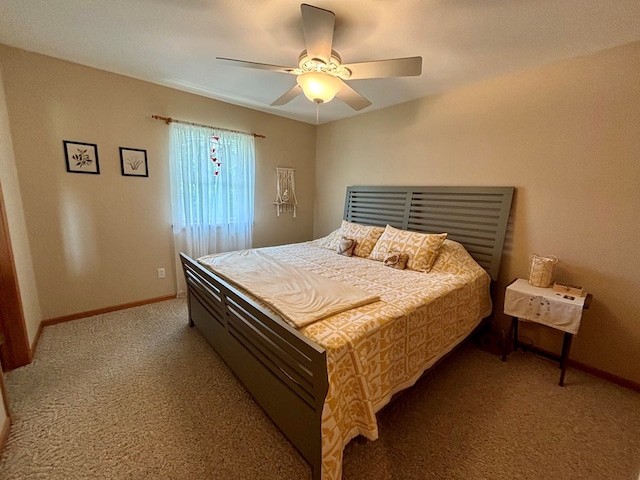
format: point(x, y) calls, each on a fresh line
point(284, 371)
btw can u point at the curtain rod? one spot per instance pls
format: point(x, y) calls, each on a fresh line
point(169, 120)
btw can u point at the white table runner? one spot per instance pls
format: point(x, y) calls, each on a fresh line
point(544, 305)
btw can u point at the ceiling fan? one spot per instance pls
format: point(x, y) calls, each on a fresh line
point(320, 71)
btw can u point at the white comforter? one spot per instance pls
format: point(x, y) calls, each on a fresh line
point(300, 296)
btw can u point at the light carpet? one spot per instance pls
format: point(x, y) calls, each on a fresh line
point(138, 394)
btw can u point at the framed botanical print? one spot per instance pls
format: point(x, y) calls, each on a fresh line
point(81, 157)
point(133, 162)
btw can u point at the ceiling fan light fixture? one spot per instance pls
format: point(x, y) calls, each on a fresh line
point(320, 72)
point(319, 87)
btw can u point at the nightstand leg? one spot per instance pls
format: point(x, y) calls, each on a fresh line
point(566, 346)
point(513, 337)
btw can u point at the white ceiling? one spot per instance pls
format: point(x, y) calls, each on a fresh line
point(175, 42)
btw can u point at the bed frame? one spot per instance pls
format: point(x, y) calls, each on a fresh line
point(285, 371)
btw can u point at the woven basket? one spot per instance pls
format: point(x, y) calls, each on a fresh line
point(541, 270)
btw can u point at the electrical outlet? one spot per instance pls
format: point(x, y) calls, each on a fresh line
point(161, 273)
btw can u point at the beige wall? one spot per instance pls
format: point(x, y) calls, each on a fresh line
point(567, 137)
point(97, 240)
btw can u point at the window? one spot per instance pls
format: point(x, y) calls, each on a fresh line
point(212, 190)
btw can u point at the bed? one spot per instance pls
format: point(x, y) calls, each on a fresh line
point(322, 383)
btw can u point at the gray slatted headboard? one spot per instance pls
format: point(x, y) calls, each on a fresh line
point(476, 217)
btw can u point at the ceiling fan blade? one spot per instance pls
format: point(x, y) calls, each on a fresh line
point(289, 95)
point(318, 24)
point(352, 98)
point(396, 67)
point(260, 66)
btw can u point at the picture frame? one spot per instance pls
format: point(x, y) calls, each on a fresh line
point(133, 162)
point(81, 157)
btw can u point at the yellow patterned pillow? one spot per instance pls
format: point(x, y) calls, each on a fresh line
point(454, 258)
point(330, 241)
point(365, 237)
point(422, 248)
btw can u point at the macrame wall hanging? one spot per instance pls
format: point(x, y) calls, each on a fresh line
point(285, 190)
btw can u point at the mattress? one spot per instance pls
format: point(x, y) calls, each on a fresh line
point(376, 350)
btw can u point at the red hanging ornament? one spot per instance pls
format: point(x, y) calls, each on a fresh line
point(214, 159)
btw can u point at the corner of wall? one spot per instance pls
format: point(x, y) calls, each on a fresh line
point(17, 224)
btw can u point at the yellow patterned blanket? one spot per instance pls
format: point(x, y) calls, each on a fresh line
point(378, 349)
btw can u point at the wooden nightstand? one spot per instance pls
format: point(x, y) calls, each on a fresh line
point(547, 307)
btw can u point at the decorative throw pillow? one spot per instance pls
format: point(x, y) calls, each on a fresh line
point(346, 246)
point(364, 236)
point(396, 260)
point(422, 248)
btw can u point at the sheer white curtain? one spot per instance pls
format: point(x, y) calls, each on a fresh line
point(212, 212)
